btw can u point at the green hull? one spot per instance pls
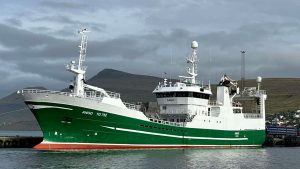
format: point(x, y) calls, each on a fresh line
point(65, 124)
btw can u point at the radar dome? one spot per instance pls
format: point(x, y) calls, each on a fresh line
point(194, 44)
point(258, 79)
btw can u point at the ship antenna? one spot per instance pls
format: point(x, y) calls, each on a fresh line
point(209, 67)
point(243, 69)
point(193, 60)
point(82, 47)
point(79, 70)
point(171, 65)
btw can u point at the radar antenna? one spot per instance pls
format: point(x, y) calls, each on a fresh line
point(193, 60)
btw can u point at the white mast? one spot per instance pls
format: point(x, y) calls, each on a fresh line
point(83, 46)
point(79, 70)
point(193, 60)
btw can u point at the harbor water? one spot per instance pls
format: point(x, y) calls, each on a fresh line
point(276, 157)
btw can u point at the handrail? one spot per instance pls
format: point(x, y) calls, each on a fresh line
point(113, 94)
point(94, 95)
point(87, 94)
point(132, 106)
point(72, 66)
point(167, 122)
point(46, 91)
point(253, 93)
point(252, 115)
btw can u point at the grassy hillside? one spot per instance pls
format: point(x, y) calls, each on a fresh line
point(283, 94)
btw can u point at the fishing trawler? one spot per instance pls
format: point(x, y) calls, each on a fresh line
point(90, 117)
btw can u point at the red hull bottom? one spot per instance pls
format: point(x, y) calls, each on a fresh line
point(56, 146)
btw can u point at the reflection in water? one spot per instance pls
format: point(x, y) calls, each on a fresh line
point(178, 158)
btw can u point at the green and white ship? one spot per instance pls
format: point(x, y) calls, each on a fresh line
point(90, 117)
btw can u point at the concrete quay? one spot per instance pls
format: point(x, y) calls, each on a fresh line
point(19, 141)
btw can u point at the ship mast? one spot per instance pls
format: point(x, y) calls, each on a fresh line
point(83, 46)
point(193, 60)
point(79, 69)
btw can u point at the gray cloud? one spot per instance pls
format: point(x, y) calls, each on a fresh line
point(148, 37)
point(93, 5)
point(68, 21)
point(14, 22)
point(59, 5)
point(19, 38)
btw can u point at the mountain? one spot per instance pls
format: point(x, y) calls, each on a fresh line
point(14, 114)
point(133, 88)
point(283, 95)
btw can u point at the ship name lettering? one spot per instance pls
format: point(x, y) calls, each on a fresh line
point(101, 114)
point(87, 113)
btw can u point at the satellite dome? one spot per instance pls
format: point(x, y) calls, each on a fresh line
point(258, 79)
point(194, 44)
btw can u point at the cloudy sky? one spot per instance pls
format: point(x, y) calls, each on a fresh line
point(146, 37)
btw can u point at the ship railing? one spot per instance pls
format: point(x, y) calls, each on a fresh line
point(252, 115)
point(113, 94)
point(182, 84)
point(236, 104)
point(167, 122)
point(88, 94)
point(252, 92)
point(46, 91)
point(93, 94)
point(99, 94)
point(190, 84)
point(76, 67)
point(132, 106)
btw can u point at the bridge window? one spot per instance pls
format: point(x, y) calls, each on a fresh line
point(183, 94)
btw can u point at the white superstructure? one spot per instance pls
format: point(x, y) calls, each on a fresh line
point(190, 103)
